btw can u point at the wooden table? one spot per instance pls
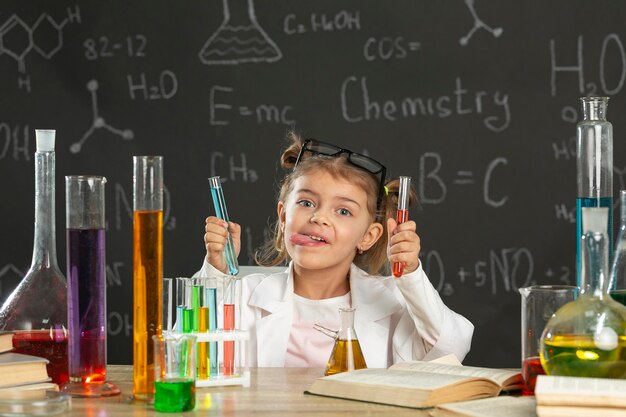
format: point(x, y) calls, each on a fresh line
point(273, 391)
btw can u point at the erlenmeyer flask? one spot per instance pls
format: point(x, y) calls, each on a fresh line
point(240, 39)
point(587, 337)
point(346, 354)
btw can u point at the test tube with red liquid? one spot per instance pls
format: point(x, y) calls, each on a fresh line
point(229, 324)
point(402, 215)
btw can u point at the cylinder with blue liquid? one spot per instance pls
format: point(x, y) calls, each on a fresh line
point(594, 146)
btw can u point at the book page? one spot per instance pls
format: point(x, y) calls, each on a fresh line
point(489, 407)
point(416, 380)
point(568, 390)
point(562, 411)
point(499, 376)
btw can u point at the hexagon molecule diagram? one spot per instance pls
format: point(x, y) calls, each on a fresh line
point(45, 37)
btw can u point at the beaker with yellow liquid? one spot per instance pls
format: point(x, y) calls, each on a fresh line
point(587, 337)
point(346, 354)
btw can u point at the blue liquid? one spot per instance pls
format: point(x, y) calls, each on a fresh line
point(178, 326)
point(211, 302)
point(591, 202)
point(220, 211)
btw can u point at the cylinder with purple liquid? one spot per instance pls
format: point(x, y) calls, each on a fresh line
point(86, 272)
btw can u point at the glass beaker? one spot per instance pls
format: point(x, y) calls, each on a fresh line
point(174, 372)
point(618, 271)
point(346, 354)
point(37, 309)
point(539, 302)
point(147, 268)
point(86, 271)
point(594, 168)
point(587, 337)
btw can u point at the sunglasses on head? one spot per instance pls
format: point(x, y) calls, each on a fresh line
point(366, 163)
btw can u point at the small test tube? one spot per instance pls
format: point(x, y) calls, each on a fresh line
point(402, 215)
point(210, 300)
point(180, 303)
point(220, 211)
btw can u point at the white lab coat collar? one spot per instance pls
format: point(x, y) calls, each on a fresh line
point(374, 302)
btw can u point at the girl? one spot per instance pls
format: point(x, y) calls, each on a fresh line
point(331, 229)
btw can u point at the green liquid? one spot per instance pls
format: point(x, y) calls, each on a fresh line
point(175, 395)
point(619, 296)
point(579, 356)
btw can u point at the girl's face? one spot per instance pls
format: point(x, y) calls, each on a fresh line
point(325, 220)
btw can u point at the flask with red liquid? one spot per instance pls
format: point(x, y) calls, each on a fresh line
point(37, 309)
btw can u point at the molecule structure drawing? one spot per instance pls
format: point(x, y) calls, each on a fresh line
point(478, 24)
point(239, 39)
point(44, 36)
point(98, 122)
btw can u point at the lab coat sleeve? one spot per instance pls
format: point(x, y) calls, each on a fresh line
point(438, 330)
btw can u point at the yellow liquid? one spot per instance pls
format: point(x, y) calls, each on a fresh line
point(346, 356)
point(579, 356)
point(147, 293)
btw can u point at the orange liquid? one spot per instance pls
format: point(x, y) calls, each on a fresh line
point(147, 295)
point(229, 347)
point(346, 356)
point(203, 352)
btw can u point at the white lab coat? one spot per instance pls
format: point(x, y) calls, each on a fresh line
point(396, 319)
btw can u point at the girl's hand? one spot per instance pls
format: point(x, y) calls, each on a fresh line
point(215, 239)
point(403, 244)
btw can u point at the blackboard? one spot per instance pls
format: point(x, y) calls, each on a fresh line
point(476, 100)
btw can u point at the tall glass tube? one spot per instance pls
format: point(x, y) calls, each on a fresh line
point(37, 309)
point(147, 268)
point(594, 146)
point(618, 271)
point(86, 271)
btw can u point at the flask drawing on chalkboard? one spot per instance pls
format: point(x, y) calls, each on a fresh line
point(98, 121)
point(239, 39)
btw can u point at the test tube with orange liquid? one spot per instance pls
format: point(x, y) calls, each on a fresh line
point(402, 215)
point(147, 269)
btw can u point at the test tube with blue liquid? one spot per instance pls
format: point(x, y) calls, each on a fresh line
point(220, 211)
point(210, 300)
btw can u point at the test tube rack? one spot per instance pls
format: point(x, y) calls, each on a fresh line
point(241, 374)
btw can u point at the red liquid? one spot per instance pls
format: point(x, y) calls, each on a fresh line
point(229, 347)
point(530, 369)
point(401, 217)
point(49, 344)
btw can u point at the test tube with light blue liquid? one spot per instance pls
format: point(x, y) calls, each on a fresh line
point(210, 299)
point(220, 211)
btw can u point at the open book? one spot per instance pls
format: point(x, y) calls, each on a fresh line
point(418, 384)
point(585, 397)
point(503, 406)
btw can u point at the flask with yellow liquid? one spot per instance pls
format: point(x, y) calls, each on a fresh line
point(587, 337)
point(346, 354)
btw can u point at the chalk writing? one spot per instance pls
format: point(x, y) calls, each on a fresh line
point(114, 277)
point(10, 277)
point(563, 212)
point(590, 88)
point(433, 189)
point(122, 206)
point(505, 269)
point(237, 167)
point(434, 268)
point(119, 322)
point(478, 24)
point(220, 111)
point(15, 142)
point(166, 88)
point(239, 39)
point(45, 36)
point(359, 105)
point(98, 121)
point(341, 21)
point(135, 47)
point(388, 47)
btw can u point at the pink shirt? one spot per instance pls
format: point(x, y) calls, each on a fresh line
point(308, 348)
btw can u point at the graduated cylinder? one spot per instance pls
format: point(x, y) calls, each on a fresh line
point(147, 268)
point(86, 301)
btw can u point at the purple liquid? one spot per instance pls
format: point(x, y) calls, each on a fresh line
point(86, 305)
